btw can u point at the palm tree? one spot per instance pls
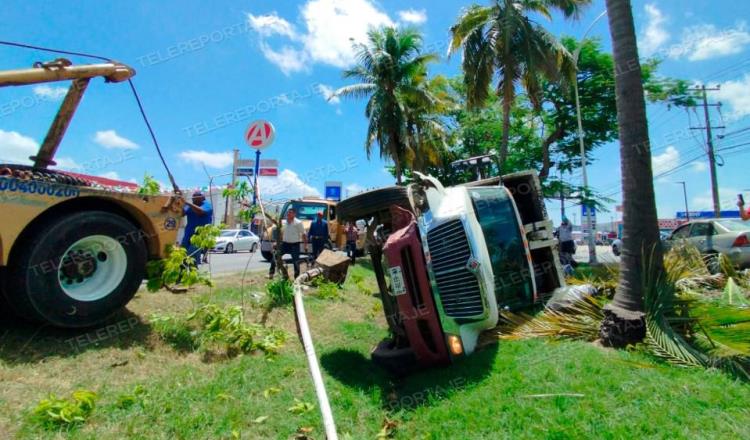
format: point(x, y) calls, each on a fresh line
point(641, 266)
point(426, 123)
point(501, 40)
point(388, 68)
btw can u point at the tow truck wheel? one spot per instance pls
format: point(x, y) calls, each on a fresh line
point(366, 205)
point(77, 269)
point(267, 255)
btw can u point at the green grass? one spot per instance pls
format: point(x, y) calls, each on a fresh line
point(493, 394)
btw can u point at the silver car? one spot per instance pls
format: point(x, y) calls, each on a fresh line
point(233, 240)
point(730, 237)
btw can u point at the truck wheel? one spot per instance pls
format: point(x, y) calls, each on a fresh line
point(366, 205)
point(77, 269)
point(267, 255)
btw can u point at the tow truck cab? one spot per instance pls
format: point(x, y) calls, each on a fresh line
point(452, 266)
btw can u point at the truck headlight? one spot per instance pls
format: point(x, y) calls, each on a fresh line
point(454, 345)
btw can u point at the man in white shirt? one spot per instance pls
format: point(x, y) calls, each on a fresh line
point(292, 233)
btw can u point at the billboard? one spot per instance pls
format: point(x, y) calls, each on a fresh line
point(695, 215)
point(333, 191)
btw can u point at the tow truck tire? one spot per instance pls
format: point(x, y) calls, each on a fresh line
point(77, 270)
point(266, 255)
point(365, 205)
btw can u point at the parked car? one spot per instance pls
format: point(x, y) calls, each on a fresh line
point(730, 237)
point(234, 240)
point(617, 247)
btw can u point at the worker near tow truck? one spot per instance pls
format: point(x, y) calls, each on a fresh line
point(318, 235)
point(199, 212)
point(352, 234)
point(744, 214)
point(292, 233)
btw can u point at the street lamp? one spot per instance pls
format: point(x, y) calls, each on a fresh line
point(684, 192)
point(576, 54)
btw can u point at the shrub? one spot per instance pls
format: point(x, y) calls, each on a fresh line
point(54, 412)
point(280, 292)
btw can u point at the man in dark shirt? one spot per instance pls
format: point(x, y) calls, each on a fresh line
point(199, 212)
point(318, 234)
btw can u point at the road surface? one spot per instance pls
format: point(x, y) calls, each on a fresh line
point(236, 263)
point(603, 254)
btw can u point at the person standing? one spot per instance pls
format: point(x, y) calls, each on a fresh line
point(199, 212)
point(352, 234)
point(567, 245)
point(292, 233)
point(744, 214)
point(318, 234)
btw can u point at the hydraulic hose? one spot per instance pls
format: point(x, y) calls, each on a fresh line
point(312, 360)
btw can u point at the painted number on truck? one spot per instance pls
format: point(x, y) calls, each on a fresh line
point(397, 281)
point(36, 187)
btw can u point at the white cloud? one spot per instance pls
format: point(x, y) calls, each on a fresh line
point(330, 28)
point(654, 35)
point(110, 175)
point(665, 161)
point(705, 201)
point(288, 59)
point(110, 139)
point(271, 24)
point(210, 160)
point(699, 167)
point(16, 148)
point(735, 94)
point(51, 93)
point(706, 42)
point(67, 163)
point(327, 92)
point(354, 189)
point(288, 184)
point(413, 16)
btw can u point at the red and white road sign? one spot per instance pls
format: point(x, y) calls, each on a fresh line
point(260, 134)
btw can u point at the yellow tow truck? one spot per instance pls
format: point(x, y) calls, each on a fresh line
point(72, 251)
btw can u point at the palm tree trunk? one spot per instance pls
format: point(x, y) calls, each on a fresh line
point(641, 265)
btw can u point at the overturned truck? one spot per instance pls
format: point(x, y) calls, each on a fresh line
point(448, 260)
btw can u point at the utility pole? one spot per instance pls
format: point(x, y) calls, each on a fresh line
point(710, 145)
point(684, 193)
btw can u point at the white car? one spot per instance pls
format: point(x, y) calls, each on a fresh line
point(233, 240)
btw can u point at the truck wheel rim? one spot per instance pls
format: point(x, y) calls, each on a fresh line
point(92, 268)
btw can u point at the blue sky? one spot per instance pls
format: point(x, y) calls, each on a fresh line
point(205, 70)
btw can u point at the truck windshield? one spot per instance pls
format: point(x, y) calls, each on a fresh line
point(306, 211)
point(497, 217)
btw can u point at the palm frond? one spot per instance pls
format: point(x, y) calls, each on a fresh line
point(580, 320)
point(355, 91)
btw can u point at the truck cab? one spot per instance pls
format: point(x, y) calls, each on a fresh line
point(452, 258)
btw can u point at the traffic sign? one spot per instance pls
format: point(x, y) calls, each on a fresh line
point(260, 134)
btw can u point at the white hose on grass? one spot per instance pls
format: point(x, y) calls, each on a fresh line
point(312, 360)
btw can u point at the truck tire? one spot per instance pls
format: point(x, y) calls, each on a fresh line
point(77, 270)
point(366, 205)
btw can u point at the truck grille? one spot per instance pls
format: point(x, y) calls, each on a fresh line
point(458, 287)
